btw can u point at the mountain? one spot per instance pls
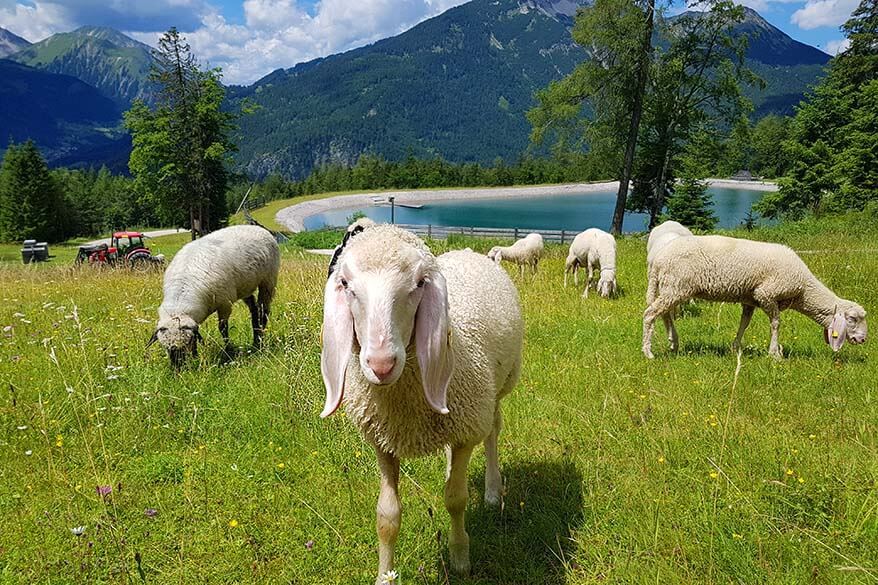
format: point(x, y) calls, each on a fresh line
point(71, 121)
point(103, 57)
point(10, 43)
point(788, 67)
point(457, 85)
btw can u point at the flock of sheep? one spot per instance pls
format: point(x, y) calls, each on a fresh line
point(387, 299)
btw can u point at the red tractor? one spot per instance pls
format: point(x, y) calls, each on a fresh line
point(126, 249)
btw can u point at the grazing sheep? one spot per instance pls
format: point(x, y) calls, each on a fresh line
point(661, 235)
point(388, 301)
point(208, 275)
point(591, 248)
point(756, 274)
point(525, 252)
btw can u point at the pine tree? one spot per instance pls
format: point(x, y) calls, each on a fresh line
point(30, 198)
point(690, 204)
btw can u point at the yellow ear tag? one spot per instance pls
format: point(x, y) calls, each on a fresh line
point(835, 334)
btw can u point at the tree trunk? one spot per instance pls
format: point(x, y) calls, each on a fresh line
point(659, 195)
point(634, 127)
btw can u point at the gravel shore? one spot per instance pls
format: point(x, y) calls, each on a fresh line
point(293, 217)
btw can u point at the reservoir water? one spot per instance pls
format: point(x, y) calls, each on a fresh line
point(570, 212)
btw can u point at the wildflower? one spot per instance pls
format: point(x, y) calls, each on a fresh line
point(78, 530)
point(521, 504)
point(28, 452)
point(389, 577)
point(281, 465)
point(812, 437)
point(22, 427)
point(714, 475)
point(661, 459)
point(59, 441)
point(738, 536)
point(233, 523)
point(151, 512)
point(314, 453)
point(104, 490)
point(801, 480)
point(642, 396)
point(309, 545)
point(790, 472)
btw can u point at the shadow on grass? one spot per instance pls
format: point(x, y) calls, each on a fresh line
point(530, 541)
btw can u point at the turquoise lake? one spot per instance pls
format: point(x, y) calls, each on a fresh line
point(570, 212)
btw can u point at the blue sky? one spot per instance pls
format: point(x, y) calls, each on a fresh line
point(251, 38)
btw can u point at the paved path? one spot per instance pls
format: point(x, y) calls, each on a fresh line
point(152, 234)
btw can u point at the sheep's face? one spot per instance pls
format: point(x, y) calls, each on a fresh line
point(384, 295)
point(179, 336)
point(493, 253)
point(855, 324)
point(607, 285)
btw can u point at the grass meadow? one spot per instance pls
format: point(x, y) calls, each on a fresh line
point(114, 469)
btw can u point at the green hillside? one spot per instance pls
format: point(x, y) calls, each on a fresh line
point(457, 85)
point(115, 64)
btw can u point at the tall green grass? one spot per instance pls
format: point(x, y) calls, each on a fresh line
point(617, 469)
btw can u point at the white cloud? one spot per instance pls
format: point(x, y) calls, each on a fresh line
point(836, 46)
point(281, 33)
point(817, 13)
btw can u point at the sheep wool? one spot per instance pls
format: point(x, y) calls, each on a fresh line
point(589, 249)
point(525, 252)
point(661, 235)
point(390, 300)
point(209, 275)
point(769, 276)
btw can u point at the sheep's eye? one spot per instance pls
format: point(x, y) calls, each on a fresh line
point(421, 283)
point(344, 283)
point(163, 329)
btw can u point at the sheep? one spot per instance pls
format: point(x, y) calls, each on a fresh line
point(208, 275)
point(459, 314)
point(525, 252)
point(756, 274)
point(660, 235)
point(591, 248)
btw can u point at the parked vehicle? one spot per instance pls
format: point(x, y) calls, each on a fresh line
point(125, 248)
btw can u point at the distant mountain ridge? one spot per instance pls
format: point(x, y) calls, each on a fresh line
point(103, 57)
point(66, 117)
point(457, 85)
point(11, 43)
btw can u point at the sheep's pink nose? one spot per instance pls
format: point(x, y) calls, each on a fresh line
point(381, 366)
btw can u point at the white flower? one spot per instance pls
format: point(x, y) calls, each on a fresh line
point(28, 452)
point(390, 577)
point(78, 530)
point(22, 427)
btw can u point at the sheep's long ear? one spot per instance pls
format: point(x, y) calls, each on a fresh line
point(338, 339)
point(433, 341)
point(153, 339)
point(836, 334)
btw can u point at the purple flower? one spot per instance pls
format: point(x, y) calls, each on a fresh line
point(104, 490)
point(309, 545)
point(151, 512)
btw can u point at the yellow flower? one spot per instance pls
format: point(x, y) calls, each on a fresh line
point(738, 536)
point(280, 465)
point(790, 472)
point(643, 396)
point(801, 480)
point(661, 459)
point(521, 505)
point(314, 453)
point(812, 436)
point(714, 475)
point(358, 454)
point(233, 523)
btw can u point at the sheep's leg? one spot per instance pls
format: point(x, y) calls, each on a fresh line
point(266, 294)
point(746, 315)
point(576, 276)
point(493, 481)
point(388, 511)
point(668, 318)
point(659, 307)
point(223, 313)
point(774, 348)
point(455, 503)
point(521, 271)
point(255, 320)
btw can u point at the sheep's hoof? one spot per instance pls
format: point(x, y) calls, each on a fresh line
point(648, 353)
point(458, 555)
point(492, 498)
